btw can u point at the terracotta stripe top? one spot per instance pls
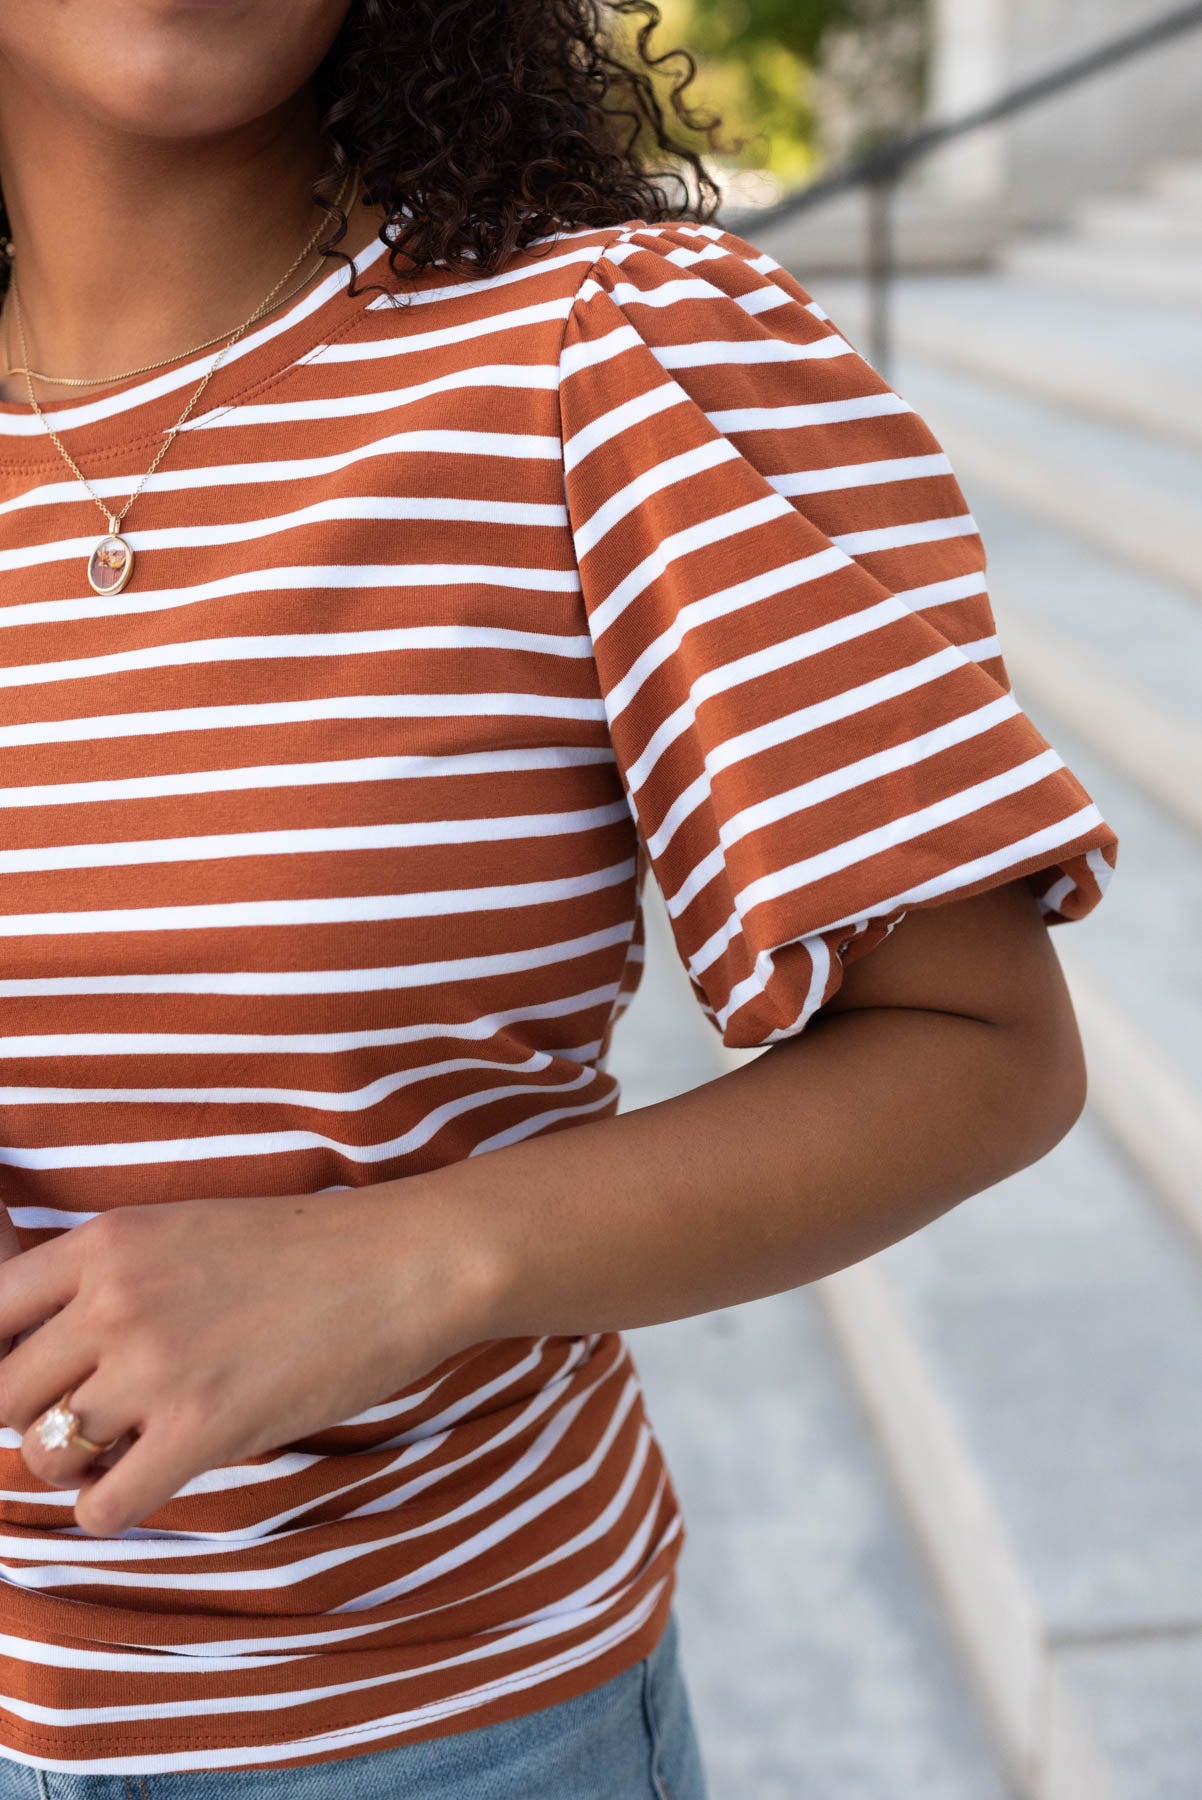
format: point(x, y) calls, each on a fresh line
point(321, 861)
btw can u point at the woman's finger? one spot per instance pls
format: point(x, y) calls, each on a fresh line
point(160, 1461)
point(37, 1283)
point(57, 1458)
point(10, 1243)
point(39, 1369)
point(10, 1246)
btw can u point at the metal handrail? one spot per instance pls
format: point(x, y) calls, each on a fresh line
point(881, 169)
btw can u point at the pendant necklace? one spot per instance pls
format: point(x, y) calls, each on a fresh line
point(111, 561)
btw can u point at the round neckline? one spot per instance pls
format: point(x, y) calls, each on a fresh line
point(114, 419)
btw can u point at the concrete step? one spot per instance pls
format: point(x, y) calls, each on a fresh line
point(1130, 498)
point(1138, 1690)
point(1171, 278)
point(1135, 967)
point(1065, 1326)
point(814, 1647)
point(1179, 181)
point(1145, 1100)
point(1142, 223)
point(931, 231)
point(1035, 396)
point(1042, 1734)
point(1106, 360)
point(1092, 643)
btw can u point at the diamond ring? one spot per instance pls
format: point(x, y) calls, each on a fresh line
point(59, 1430)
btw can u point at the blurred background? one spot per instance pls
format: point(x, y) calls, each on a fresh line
point(945, 1508)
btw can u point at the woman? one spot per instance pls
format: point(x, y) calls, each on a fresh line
point(570, 539)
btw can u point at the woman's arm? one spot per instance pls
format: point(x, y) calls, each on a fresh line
point(949, 1059)
point(216, 1330)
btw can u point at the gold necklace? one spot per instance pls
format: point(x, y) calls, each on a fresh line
point(179, 355)
point(146, 368)
point(111, 562)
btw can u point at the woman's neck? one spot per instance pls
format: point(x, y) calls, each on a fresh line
point(130, 251)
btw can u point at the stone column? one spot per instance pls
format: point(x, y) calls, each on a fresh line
point(969, 68)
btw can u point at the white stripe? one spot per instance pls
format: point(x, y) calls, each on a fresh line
point(300, 468)
point(755, 984)
point(812, 412)
point(896, 537)
point(856, 475)
point(713, 530)
point(78, 1044)
point(246, 1144)
point(204, 652)
point(847, 704)
point(655, 480)
point(298, 712)
point(326, 910)
point(780, 655)
point(301, 577)
point(538, 1122)
point(513, 1478)
point(664, 553)
point(461, 766)
point(379, 1726)
point(469, 289)
point(874, 767)
point(591, 353)
point(380, 979)
point(340, 510)
point(523, 377)
point(866, 844)
point(1049, 837)
point(673, 293)
point(819, 638)
point(57, 1656)
point(701, 354)
point(611, 424)
point(312, 840)
point(729, 600)
point(335, 1100)
point(421, 343)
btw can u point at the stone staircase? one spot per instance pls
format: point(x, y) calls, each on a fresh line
point(946, 1531)
point(1143, 246)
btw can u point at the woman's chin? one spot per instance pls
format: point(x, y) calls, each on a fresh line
point(187, 68)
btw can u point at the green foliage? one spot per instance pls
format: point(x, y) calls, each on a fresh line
point(759, 87)
point(760, 63)
point(736, 27)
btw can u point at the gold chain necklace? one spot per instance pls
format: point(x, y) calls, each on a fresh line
point(146, 368)
point(111, 562)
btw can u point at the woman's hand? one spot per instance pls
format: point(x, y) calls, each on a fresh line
point(10, 1246)
point(207, 1331)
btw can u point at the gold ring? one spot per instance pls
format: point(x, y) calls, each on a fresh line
point(59, 1429)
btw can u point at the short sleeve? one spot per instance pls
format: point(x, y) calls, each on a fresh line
point(787, 601)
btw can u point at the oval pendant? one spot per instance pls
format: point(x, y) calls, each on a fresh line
point(110, 565)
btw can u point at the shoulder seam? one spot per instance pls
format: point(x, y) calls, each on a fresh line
point(621, 232)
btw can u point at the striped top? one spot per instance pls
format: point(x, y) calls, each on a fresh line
point(323, 849)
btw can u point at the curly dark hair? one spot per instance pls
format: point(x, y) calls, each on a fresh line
point(479, 125)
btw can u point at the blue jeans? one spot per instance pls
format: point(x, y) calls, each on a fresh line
point(631, 1738)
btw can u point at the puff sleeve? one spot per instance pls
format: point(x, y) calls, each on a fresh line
point(786, 597)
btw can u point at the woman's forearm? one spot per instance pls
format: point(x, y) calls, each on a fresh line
point(823, 1150)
